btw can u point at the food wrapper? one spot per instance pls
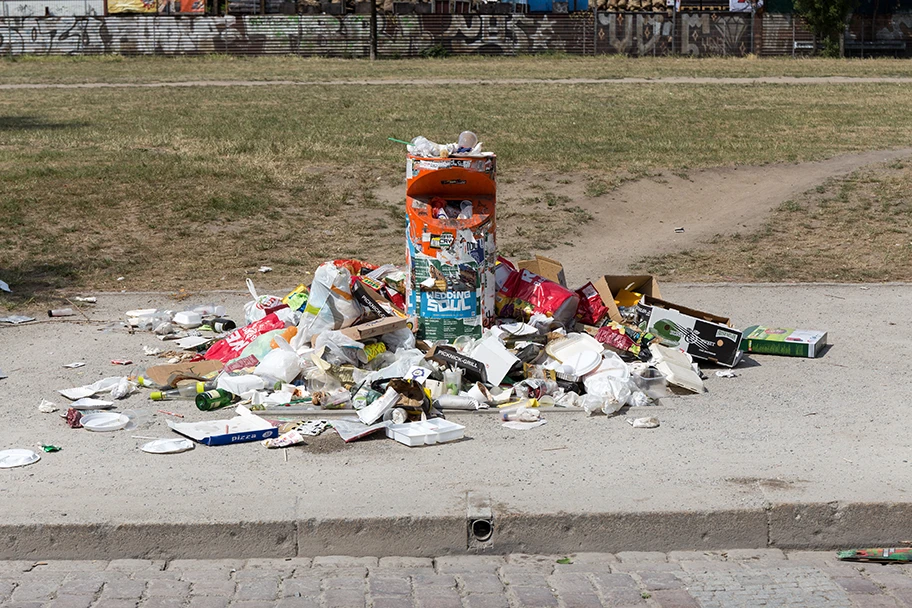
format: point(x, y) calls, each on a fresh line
point(591, 309)
point(522, 293)
point(285, 440)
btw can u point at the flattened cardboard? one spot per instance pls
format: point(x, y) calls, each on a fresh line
point(700, 334)
point(545, 267)
point(609, 285)
point(160, 374)
point(374, 328)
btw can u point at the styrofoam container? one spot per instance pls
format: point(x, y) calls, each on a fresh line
point(426, 432)
point(188, 319)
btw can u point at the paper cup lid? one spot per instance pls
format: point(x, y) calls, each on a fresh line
point(17, 458)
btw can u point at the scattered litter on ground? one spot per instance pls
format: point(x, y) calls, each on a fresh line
point(679, 230)
point(47, 407)
point(75, 364)
point(61, 312)
point(49, 448)
point(265, 269)
point(5, 287)
point(87, 300)
point(103, 422)
point(91, 403)
point(644, 423)
point(16, 319)
point(3, 375)
point(17, 458)
point(362, 348)
point(884, 555)
point(167, 446)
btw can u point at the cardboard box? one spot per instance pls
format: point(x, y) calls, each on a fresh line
point(242, 428)
point(701, 334)
point(375, 328)
point(610, 285)
point(783, 341)
point(545, 267)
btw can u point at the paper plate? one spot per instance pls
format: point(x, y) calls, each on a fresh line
point(104, 421)
point(17, 458)
point(583, 362)
point(167, 446)
point(90, 403)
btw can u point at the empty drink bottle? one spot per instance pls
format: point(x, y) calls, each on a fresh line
point(184, 391)
point(214, 399)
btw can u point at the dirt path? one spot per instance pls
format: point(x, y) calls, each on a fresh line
point(639, 218)
point(783, 80)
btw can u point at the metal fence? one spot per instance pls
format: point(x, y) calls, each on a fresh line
point(634, 34)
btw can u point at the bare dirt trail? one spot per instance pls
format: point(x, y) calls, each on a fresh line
point(638, 219)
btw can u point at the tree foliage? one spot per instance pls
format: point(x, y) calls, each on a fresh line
point(827, 19)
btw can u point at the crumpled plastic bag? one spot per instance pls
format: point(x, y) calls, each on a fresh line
point(400, 339)
point(612, 390)
point(281, 363)
point(339, 349)
point(331, 305)
point(256, 309)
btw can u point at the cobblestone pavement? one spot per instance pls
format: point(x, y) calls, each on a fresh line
point(734, 578)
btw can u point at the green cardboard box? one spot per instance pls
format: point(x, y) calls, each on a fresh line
point(783, 341)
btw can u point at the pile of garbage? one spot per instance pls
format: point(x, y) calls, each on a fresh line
point(365, 349)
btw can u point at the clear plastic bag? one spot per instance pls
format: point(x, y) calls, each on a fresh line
point(339, 349)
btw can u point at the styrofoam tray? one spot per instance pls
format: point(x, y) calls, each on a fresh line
point(426, 432)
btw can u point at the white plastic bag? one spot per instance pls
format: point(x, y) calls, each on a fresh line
point(330, 306)
point(256, 309)
point(280, 363)
point(614, 391)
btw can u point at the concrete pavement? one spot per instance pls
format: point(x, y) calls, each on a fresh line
point(723, 579)
point(792, 453)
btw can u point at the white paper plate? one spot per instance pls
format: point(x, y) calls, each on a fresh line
point(583, 362)
point(104, 421)
point(90, 403)
point(167, 446)
point(17, 458)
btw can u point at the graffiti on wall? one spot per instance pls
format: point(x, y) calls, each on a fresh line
point(340, 36)
point(636, 34)
point(697, 34)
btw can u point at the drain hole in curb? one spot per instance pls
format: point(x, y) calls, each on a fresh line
point(482, 530)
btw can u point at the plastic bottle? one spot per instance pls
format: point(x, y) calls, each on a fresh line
point(214, 399)
point(184, 391)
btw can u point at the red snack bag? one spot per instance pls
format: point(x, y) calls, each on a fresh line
point(230, 346)
point(591, 309)
point(521, 293)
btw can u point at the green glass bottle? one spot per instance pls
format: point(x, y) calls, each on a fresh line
point(214, 399)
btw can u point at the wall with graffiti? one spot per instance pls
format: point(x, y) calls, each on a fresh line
point(636, 34)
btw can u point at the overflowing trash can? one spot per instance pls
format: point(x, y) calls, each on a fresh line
point(451, 244)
